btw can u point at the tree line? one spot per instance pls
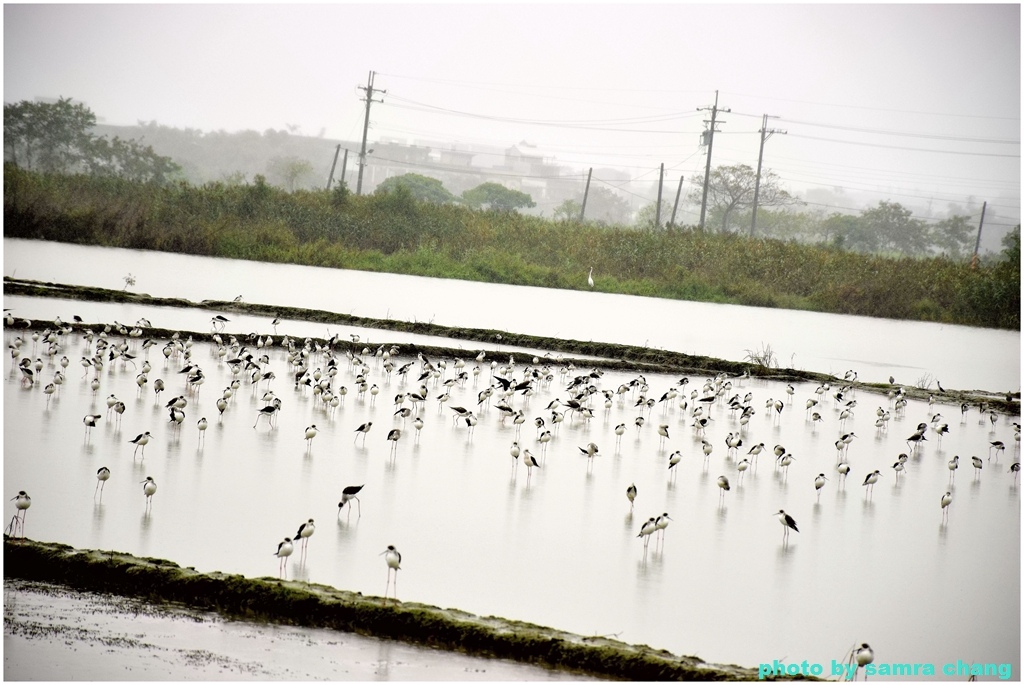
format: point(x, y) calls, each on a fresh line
point(394, 232)
point(58, 138)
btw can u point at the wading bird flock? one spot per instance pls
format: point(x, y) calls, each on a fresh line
point(685, 419)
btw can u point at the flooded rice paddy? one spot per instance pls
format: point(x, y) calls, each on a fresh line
point(556, 545)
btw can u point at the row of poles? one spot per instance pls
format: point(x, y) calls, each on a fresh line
point(707, 137)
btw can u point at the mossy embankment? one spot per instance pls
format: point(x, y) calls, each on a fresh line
point(583, 354)
point(320, 606)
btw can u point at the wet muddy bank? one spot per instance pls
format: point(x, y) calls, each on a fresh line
point(297, 603)
point(588, 354)
point(56, 633)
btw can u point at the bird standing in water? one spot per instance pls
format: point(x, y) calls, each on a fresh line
point(306, 531)
point(350, 493)
point(394, 560)
point(102, 476)
point(787, 522)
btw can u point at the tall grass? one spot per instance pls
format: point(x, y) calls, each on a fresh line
point(394, 233)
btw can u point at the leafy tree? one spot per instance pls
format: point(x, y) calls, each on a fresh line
point(891, 227)
point(605, 206)
point(131, 160)
point(954, 236)
point(422, 188)
point(569, 210)
point(497, 196)
point(648, 215)
point(731, 188)
point(47, 137)
point(56, 138)
point(289, 171)
point(1011, 246)
point(836, 228)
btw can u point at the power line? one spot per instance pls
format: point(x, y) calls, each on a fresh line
point(418, 107)
point(882, 109)
point(906, 134)
point(912, 149)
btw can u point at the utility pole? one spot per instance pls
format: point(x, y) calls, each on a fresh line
point(344, 163)
point(766, 133)
point(977, 243)
point(586, 192)
point(366, 127)
point(661, 183)
point(710, 135)
point(330, 179)
point(676, 205)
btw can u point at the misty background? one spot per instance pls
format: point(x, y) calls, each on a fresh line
point(912, 104)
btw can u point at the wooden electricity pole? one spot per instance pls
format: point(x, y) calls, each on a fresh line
point(710, 134)
point(766, 133)
point(586, 192)
point(977, 243)
point(676, 205)
point(366, 127)
point(330, 179)
point(661, 183)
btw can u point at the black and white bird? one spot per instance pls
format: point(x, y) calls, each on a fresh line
point(646, 530)
point(871, 479)
point(530, 462)
point(787, 522)
point(660, 524)
point(363, 429)
point(305, 532)
point(863, 656)
point(742, 466)
point(393, 558)
point(723, 484)
point(141, 440)
point(944, 502)
point(102, 476)
point(90, 421)
point(269, 411)
point(631, 495)
point(284, 550)
point(819, 483)
point(149, 489)
point(348, 494)
point(21, 504)
point(311, 432)
point(393, 436)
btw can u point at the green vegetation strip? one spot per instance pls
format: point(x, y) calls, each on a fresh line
point(599, 355)
point(392, 232)
point(320, 606)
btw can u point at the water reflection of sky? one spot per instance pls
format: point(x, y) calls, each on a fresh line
point(957, 356)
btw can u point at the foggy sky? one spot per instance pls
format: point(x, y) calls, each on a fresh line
point(937, 74)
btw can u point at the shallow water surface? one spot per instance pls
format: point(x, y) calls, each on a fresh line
point(916, 353)
point(556, 545)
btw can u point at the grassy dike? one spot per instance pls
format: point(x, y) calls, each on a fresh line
point(320, 606)
point(591, 354)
